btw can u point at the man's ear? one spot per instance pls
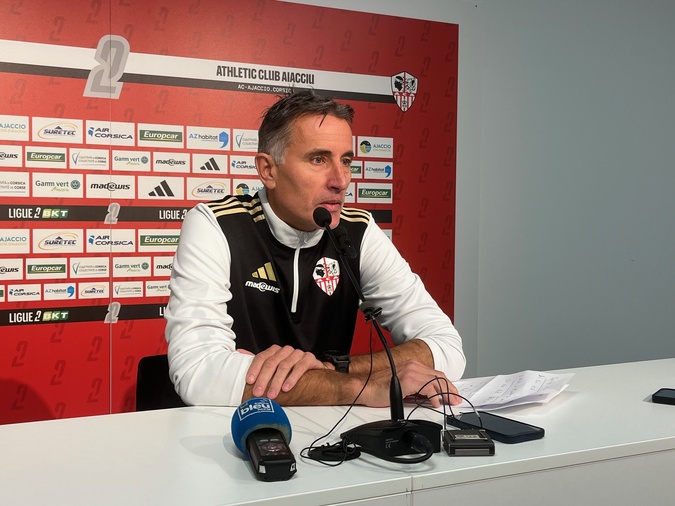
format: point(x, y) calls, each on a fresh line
point(265, 166)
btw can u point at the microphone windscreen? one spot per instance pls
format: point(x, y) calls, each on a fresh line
point(322, 217)
point(258, 413)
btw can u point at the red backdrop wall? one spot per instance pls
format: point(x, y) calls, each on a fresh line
point(70, 340)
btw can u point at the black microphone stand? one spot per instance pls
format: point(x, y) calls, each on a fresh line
point(387, 439)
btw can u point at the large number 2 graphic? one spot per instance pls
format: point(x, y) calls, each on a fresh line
point(111, 54)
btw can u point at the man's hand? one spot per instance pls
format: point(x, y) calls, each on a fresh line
point(412, 375)
point(278, 369)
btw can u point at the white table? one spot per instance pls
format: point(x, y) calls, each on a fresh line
point(605, 443)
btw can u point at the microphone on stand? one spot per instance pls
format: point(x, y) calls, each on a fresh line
point(387, 439)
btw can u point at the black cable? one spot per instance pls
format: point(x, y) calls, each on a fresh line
point(402, 460)
point(333, 455)
point(442, 393)
point(349, 451)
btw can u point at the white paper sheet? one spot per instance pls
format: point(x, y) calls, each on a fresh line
point(504, 391)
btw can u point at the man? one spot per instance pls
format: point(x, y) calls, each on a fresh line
point(258, 298)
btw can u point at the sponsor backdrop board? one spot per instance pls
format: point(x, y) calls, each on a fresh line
point(118, 117)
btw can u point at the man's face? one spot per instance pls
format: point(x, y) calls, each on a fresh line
point(315, 171)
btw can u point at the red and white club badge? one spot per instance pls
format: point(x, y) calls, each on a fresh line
point(404, 89)
point(327, 274)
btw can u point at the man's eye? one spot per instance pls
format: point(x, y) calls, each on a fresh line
point(347, 162)
point(317, 159)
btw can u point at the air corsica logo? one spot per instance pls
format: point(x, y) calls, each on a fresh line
point(404, 88)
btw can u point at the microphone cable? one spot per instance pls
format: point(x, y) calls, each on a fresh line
point(422, 402)
point(335, 454)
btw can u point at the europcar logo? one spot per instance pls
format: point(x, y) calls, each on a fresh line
point(158, 135)
point(159, 240)
point(375, 193)
point(33, 269)
point(33, 156)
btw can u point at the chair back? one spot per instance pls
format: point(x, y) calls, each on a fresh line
point(154, 388)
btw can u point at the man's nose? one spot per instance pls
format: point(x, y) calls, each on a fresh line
point(340, 176)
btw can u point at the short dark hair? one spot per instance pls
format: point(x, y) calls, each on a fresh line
point(274, 133)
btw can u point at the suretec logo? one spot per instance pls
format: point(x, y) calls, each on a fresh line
point(57, 130)
point(57, 241)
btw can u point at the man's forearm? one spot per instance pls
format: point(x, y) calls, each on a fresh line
point(415, 349)
point(318, 387)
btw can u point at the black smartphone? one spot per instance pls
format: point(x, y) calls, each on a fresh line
point(664, 396)
point(498, 427)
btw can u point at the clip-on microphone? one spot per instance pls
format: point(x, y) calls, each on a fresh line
point(386, 439)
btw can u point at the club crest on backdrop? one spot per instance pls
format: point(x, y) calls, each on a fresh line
point(404, 88)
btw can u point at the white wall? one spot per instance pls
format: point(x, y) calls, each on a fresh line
point(565, 178)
